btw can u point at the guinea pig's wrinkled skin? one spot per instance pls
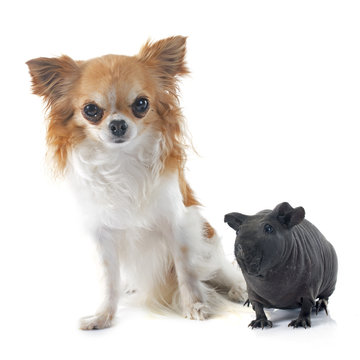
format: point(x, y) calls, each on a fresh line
point(286, 261)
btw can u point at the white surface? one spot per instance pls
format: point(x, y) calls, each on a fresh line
point(272, 105)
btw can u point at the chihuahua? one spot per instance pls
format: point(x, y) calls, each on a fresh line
point(115, 129)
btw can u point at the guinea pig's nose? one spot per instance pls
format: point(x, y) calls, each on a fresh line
point(118, 127)
point(239, 251)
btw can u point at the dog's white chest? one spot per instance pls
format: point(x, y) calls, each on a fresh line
point(120, 190)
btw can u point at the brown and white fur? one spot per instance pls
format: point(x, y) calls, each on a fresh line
point(138, 205)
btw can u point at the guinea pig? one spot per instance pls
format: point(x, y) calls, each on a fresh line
point(287, 263)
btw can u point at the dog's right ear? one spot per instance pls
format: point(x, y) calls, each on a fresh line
point(52, 78)
point(235, 220)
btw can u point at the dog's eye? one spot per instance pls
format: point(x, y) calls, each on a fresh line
point(92, 112)
point(140, 106)
point(268, 229)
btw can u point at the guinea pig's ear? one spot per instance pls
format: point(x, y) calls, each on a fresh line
point(234, 220)
point(288, 216)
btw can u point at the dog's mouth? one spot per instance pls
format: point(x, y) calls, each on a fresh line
point(109, 140)
point(118, 141)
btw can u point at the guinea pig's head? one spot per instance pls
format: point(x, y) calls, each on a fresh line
point(262, 239)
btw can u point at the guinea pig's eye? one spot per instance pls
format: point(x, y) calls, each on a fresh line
point(140, 106)
point(92, 112)
point(268, 229)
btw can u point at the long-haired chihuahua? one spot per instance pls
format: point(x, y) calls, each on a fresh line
point(115, 129)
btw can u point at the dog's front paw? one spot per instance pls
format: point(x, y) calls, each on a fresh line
point(197, 311)
point(96, 322)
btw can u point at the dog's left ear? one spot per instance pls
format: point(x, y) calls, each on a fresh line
point(165, 57)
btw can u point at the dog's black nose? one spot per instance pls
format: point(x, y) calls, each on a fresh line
point(118, 127)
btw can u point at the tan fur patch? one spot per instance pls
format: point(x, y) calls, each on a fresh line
point(208, 230)
point(184, 249)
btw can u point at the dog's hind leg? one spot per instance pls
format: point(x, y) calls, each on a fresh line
point(228, 279)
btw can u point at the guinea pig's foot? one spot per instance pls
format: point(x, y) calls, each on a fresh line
point(260, 323)
point(301, 321)
point(320, 305)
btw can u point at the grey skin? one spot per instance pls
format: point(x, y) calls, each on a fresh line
point(287, 263)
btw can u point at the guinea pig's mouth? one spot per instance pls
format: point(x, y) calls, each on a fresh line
point(257, 275)
point(253, 268)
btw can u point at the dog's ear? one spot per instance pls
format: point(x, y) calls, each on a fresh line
point(52, 78)
point(166, 58)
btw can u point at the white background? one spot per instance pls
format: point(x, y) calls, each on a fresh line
point(272, 105)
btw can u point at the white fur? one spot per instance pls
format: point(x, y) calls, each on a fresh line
point(144, 232)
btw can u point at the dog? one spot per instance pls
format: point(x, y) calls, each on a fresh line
point(116, 131)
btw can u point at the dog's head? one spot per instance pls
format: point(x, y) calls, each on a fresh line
point(112, 99)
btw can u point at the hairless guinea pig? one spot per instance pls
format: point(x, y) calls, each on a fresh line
point(286, 261)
